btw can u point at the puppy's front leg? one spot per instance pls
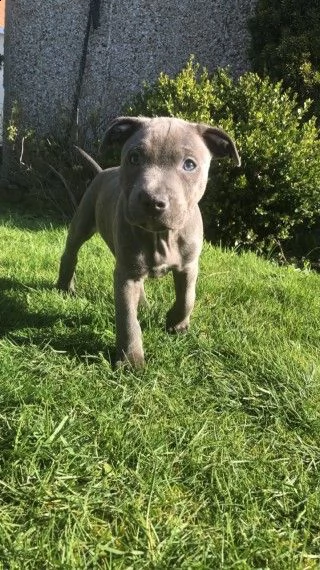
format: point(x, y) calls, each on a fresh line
point(178, 317)
point(127, 293)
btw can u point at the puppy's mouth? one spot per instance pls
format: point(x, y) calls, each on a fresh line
point(154, 222)
point(154, 225)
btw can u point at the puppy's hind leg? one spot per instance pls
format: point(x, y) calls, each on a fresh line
point(81, 229)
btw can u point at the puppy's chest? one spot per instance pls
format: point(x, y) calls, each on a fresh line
point(161, 258)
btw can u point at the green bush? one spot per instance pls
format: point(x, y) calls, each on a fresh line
point(276, 192)
point(285, 45)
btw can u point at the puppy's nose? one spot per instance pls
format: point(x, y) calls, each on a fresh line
point(153, 204)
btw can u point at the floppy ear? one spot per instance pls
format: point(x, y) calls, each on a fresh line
point(219, 143)
point(120, 130)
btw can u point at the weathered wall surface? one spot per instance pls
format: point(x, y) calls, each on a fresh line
point(43, 43)
point(1, 82)
point(135, 40)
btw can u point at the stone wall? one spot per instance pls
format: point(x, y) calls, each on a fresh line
point(129, 41)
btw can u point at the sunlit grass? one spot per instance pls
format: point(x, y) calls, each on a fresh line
point(208, 458)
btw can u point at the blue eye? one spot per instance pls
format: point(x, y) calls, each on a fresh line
point(189, 165)
point(134, 158)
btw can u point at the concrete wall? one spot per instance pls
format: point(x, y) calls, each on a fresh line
point(136, 39)
point(1, 84)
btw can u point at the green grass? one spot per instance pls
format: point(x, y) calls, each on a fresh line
point(209, 458)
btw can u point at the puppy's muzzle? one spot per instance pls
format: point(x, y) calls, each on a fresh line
point(153, 206)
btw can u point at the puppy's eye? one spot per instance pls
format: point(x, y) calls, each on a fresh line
point(134, 158)
point(189, 165)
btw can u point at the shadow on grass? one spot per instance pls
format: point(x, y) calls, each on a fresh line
point(31, 219)
point(25, 327)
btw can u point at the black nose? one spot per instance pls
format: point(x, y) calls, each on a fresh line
point(153, 204)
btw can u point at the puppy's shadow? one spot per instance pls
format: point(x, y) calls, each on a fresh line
point(14, 313)
point(24, 326)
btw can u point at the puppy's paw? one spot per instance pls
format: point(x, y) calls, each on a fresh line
point(68, 289)
point(175, 325)
point(129, 360)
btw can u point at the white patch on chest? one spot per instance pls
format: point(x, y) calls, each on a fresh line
point(158, 270)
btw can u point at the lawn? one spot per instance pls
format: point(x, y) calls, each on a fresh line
point(209, 458)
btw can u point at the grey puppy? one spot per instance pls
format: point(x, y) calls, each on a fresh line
point(147, 212)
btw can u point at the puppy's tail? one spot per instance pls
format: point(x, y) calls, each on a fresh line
point(89, 158)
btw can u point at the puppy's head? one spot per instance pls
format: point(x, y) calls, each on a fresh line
point(164, 167)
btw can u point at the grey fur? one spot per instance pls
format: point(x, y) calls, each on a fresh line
point(147, 212)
